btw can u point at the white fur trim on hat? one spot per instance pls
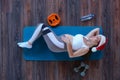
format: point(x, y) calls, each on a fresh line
point(102, 40)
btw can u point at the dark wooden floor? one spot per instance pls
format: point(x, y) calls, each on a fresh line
point(15, 14)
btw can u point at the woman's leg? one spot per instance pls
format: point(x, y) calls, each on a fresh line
point(36, 34)
point(54, 42)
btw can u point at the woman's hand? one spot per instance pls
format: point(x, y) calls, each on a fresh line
point(94, 32)
point(66, 39)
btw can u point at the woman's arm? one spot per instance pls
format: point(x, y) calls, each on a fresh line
point(77, 53)
point(94, 32)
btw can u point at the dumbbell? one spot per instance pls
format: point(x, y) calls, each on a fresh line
point(83, 72)
point(76, 69)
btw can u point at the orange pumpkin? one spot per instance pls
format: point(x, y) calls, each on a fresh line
point(53, 19)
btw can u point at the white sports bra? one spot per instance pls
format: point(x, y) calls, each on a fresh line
point(78, 42)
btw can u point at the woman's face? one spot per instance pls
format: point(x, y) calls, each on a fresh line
point(95, 39)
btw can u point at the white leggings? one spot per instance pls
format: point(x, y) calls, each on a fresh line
point(53, 41)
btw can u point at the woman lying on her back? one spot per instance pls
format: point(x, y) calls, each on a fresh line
point(77, 45)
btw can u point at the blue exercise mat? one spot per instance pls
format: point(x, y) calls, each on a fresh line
point(41, 52)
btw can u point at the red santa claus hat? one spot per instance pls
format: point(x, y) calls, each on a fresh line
point(101, 44)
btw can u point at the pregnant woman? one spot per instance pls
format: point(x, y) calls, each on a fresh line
point(77, 45)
